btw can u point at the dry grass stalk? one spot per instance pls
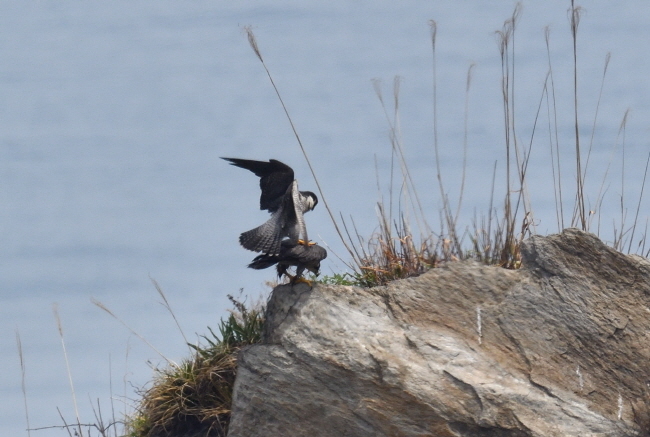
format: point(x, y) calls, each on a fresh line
point(55, 309)
point(22, 380)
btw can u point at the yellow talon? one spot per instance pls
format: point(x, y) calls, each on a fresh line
point(309, 243)
point(297, 280)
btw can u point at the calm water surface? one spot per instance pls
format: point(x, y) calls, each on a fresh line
point(113, 117)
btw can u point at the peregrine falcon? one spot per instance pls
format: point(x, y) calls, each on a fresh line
point(292, 254)
point(280, 196)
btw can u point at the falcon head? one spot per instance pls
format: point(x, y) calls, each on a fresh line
point(314, 267)
point(309, 200)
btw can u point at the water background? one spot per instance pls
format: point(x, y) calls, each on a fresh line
point(113, 117)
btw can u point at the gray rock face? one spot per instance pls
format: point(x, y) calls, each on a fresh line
point(560, 347)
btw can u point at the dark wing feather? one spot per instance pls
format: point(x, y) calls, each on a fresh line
point(269, 236)
point(265, 238)
point(302, 254)
point(275, 178)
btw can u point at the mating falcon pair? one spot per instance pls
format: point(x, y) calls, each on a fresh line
point(282, 239)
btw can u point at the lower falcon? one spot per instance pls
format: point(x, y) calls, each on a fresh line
point(292, 254)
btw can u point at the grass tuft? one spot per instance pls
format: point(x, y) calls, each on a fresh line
point(194, 398)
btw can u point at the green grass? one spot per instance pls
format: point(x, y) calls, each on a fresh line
point(339, 279)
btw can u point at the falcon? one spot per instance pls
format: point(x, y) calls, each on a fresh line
point(280, 196)
point(292, 254)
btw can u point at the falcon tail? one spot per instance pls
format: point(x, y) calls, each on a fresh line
point(263, 261)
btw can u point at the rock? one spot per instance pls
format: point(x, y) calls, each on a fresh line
point(560, 347)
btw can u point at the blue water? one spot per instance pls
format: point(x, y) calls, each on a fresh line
point(113, 117)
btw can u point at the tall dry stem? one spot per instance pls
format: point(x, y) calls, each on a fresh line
point(168, 307)
point(253, 43)
point(593, 127)
point(22, 380)
point(556, 167)
point(465, 132)
point(55, 309)
point(638, 206)
point(446, 207)
point(580, 217)
point(109, 312)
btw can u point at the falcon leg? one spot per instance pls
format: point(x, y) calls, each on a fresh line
point(308, 243)
point(299, 278)
point(282, 270)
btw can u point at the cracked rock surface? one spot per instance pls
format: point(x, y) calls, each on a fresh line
point(560, 347)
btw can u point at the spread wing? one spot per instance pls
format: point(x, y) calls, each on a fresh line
point(268, 237)
point(275, 178)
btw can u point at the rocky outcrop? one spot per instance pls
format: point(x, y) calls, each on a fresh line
point(560, 347)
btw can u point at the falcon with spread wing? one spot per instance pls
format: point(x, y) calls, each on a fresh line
point(280, 196)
